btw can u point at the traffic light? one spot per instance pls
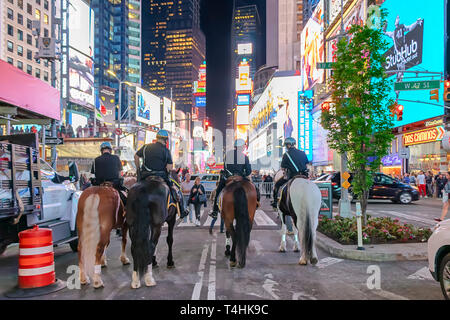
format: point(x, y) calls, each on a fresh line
point(399, 112)
point(326, 106)
point(206, 125)
point(434, 95)
point(446, 90)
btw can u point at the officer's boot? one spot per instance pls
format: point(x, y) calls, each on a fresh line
point(275, 198)
point(215, 210)
point(184, 212)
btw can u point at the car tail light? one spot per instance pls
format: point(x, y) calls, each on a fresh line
point(334, 184)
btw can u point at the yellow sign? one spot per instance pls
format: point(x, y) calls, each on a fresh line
point(346, 185)
point(345, 175)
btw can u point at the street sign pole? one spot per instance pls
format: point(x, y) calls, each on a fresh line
point(344, 202)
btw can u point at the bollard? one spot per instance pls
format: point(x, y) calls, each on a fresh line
point(36, 265)
point(359, 225)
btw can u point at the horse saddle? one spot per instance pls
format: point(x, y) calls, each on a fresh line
point(233, 179)
point(107, 184)
point(283, 192)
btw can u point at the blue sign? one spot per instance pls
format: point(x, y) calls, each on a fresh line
point(391, 160)
point(415, 33)
point(243, 100)
point(305, 124)
point(200, 102)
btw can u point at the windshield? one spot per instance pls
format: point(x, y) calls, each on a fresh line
point(47, 171)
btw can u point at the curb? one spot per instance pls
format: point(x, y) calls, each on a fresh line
point(377, 252)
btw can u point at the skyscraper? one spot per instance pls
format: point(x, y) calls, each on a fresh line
point(174, 47)
point(117, 45)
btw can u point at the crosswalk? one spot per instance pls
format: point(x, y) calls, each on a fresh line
point(262, 219)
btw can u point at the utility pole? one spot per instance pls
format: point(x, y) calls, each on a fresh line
point(53, 72)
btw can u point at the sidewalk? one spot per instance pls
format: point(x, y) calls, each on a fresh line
point(378, 252)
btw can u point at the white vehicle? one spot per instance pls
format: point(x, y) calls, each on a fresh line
point(439, 256)
point(27, 198)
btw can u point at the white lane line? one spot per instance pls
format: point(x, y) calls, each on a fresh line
point(326, 262)
point(388, 295)
point(115, 292)
point(257, 245)
point(409, 217)
point(422, 274)
point(212, 271)
point(262, 219)
point(201, 268)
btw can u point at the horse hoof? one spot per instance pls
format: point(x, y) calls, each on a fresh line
point(232, 264)
point(314, 261)
point(135, 284)
point(125, 261)
point(171, 266)
point(98, 284)
point(296, 250)
point(85, 281)
point(303, 262)
point(282, 250)
point(150, 282)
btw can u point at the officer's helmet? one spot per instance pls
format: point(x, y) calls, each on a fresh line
point(239, 143)
point(105, 145)
point(290, 141)
point(162, 134)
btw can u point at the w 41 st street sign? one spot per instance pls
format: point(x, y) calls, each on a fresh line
point(417, 85)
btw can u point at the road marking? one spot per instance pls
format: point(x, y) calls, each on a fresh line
point(198, 286)
point(269, 285)
point(388, 295)
point(257, 245)
point(302, 296)
point(422, 274)
point(212, 271)
point(115, 292)
point(409, 217)
point(326, 262)
point(262, 219)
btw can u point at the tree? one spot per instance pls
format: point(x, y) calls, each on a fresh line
point(358, 121)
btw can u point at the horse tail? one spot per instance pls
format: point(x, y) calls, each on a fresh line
point(308, 236)
point(243, 226)
point(139, 232)
point(90, 233)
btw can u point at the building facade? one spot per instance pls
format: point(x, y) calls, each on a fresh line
point(18, 44)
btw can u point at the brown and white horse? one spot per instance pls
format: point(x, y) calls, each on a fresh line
point(238, 200)
point(99, 211)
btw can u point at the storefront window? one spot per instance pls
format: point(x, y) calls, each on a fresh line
point(426, 157)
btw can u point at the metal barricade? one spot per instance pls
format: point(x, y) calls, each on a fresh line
point(265, 188)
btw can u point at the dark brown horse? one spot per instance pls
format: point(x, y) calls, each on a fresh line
point(99, 211)
point(238, 200)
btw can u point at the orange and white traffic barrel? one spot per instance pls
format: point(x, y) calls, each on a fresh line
point(36, 259)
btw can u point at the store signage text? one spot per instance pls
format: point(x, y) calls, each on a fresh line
point(424, 136)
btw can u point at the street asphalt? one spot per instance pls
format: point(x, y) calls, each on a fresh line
point(202, 272)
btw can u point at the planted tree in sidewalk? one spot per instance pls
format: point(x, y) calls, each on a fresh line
point(358, 119)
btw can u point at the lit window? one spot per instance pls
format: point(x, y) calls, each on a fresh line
point(37, 14)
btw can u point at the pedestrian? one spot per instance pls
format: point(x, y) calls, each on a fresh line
point(213, 222)
point(186, 187)
point(445, 199)
point(441, 181)
point(422, 185)
point(197, 197)
point(84, 182)
point(429, 182)
point(406, 178)
point(268, 185)
point(412, 179)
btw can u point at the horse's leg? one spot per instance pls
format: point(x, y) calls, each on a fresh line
point(171, 223)
point(227, 244)
point(283, 232)
point(135, 278)
point(156, 232)
point(101, 246)
point(314, 258)
point(123, 256)
point(104, 263)
point(295, 229)
point(303, 258)
point(84, 279)
point(233, 248)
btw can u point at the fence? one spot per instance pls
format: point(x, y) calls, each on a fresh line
point(265, 188)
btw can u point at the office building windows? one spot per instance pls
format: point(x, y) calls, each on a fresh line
point(37, 73)
point(29, 55)
point(29, 39)
point(10, 14)
point(10, 30)
point(29, 8)
point(10, 60)
point(10, 46)
point(20, 35)
point(20, 50)
point(20, 19)
point(20, 65)
point(29, 69)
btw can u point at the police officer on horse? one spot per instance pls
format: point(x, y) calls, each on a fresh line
point(294, 163)
point(107, 168)
point(157, 161)
point(236, 164)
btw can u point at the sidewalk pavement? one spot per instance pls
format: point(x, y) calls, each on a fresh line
point(377, 252)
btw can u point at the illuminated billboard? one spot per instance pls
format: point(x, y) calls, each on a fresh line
point(168, 115)
point(415, 34)
point(242, 115)
point(148, 107)
point(200, 101)
point(243, 100)
point(81, 26)
point(81, 79)
point(244, 83)
point(245, 48)
point(313, 48)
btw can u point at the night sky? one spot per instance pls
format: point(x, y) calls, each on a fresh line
point(216, 24)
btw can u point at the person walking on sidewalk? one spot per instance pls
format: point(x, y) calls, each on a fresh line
point(445, 193)
point(197, 197)
point(422, 184)
point(213, 222)
point(186, 187)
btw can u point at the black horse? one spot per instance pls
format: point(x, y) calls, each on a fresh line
point(147, 209)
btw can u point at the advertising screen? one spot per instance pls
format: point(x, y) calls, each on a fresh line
point(81, 26)
point(168, 114)
point(335, 8)
point(107, 104)
point(242, 115)
point(415, 34)
point(81, 78)
point(148, 107)
point(313, 48)
point(245, 48)
point(200, 101)
point(243, 100)
point(244, 83)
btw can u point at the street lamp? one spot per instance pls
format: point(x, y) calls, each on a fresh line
point(110, 72)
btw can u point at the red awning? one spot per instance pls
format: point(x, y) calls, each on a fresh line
point(24, 91)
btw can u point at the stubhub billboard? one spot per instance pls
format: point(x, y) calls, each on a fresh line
point(415, 34)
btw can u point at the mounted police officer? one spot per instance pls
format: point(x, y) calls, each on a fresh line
point(236, 164)
point(108, 168)
point(294, 163)
point(157, 161)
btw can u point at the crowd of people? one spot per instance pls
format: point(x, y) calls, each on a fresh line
point(68, 131)
point(430, 185)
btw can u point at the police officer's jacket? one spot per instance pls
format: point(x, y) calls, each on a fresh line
point(107, 167)
point(156, 157)
point(298, 157)
point(237, 163)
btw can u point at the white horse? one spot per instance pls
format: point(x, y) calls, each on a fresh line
point(301, 199)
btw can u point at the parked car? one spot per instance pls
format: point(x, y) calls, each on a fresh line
point(208, 180)
point(384, 187)
point(439, 256)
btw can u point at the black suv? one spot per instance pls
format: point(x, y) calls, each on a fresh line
point(384, 187)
